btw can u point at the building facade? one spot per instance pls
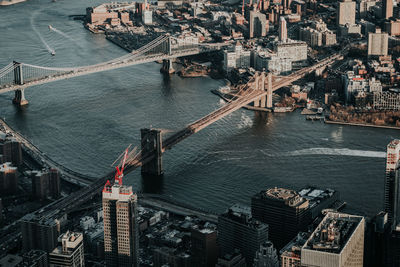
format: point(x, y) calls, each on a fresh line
point(69, 252)
point(386, 101)
point(236, 58)
point(338, 241)
point(378, 43)
point(204, 247)
point(121, 234)
point(238, 230)
point(258, 24)
point(346, 12)
point(295, 50)
point(391, 185)
point(266, 256)
point(8, 179)
point(284, 211)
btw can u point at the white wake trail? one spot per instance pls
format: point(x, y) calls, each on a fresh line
point(49, 49)
point(338, 152)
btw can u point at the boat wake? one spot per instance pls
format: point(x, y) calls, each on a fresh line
point(47, 46)
point(338, 152)
point(61, 33)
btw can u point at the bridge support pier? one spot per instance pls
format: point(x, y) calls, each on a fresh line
point(260, 85)
point(269, 90)
point(19, 98)
point(152, 143)
point(167, 66)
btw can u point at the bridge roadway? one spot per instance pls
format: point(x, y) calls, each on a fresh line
point(101, 67)
point(83, 195)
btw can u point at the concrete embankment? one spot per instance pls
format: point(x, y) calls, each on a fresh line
point(362, 124)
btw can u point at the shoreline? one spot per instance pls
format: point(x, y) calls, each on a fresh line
point(42, 159)
point(362, 124)
point(12, 2)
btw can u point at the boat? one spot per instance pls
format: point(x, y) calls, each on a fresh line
point(51, 28)
point(53, 53)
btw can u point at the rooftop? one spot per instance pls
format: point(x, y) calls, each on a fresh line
point(242, 215)
point(333, 232)
point(289, 197)
point(10, 261)
point(69, 242)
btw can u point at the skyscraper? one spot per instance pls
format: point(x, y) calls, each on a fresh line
point(46, 183)
point(282, 30)
point(238, 230)
point(39, 233)
point(204, 247)
point(121, 234)
point(69, 252)
point(285, 212)
point(391, 188)
point(387, 9)
point(346, 12)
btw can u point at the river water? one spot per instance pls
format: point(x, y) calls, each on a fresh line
point(86, 122)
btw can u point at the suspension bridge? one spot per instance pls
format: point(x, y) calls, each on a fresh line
point(258, 91)
point(18, 76)
point(149, 157)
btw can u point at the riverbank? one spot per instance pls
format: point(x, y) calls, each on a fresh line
point(36, 154)
point(362, 124)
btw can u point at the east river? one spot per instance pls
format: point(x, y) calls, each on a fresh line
point(84, 123)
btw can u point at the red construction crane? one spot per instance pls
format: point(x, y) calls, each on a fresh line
point(120, 172)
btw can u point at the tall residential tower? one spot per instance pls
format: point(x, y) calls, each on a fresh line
point(121, 234)
point(391, 189)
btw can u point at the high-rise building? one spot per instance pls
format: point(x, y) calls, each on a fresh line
point(387, 9)
point(378, 43)
point(266, 256)
point(291, 253)
point(11, 151)
point(121, 234)
point(258, 24)
point(282, 29)
point(69, 252)
point(238, 230)
point(346, 12)
point(285, 212)
point(338, 241)
point(46, 184)
point(391, 188)
point(8, 179)
point(39, 233)
point(204, 247)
